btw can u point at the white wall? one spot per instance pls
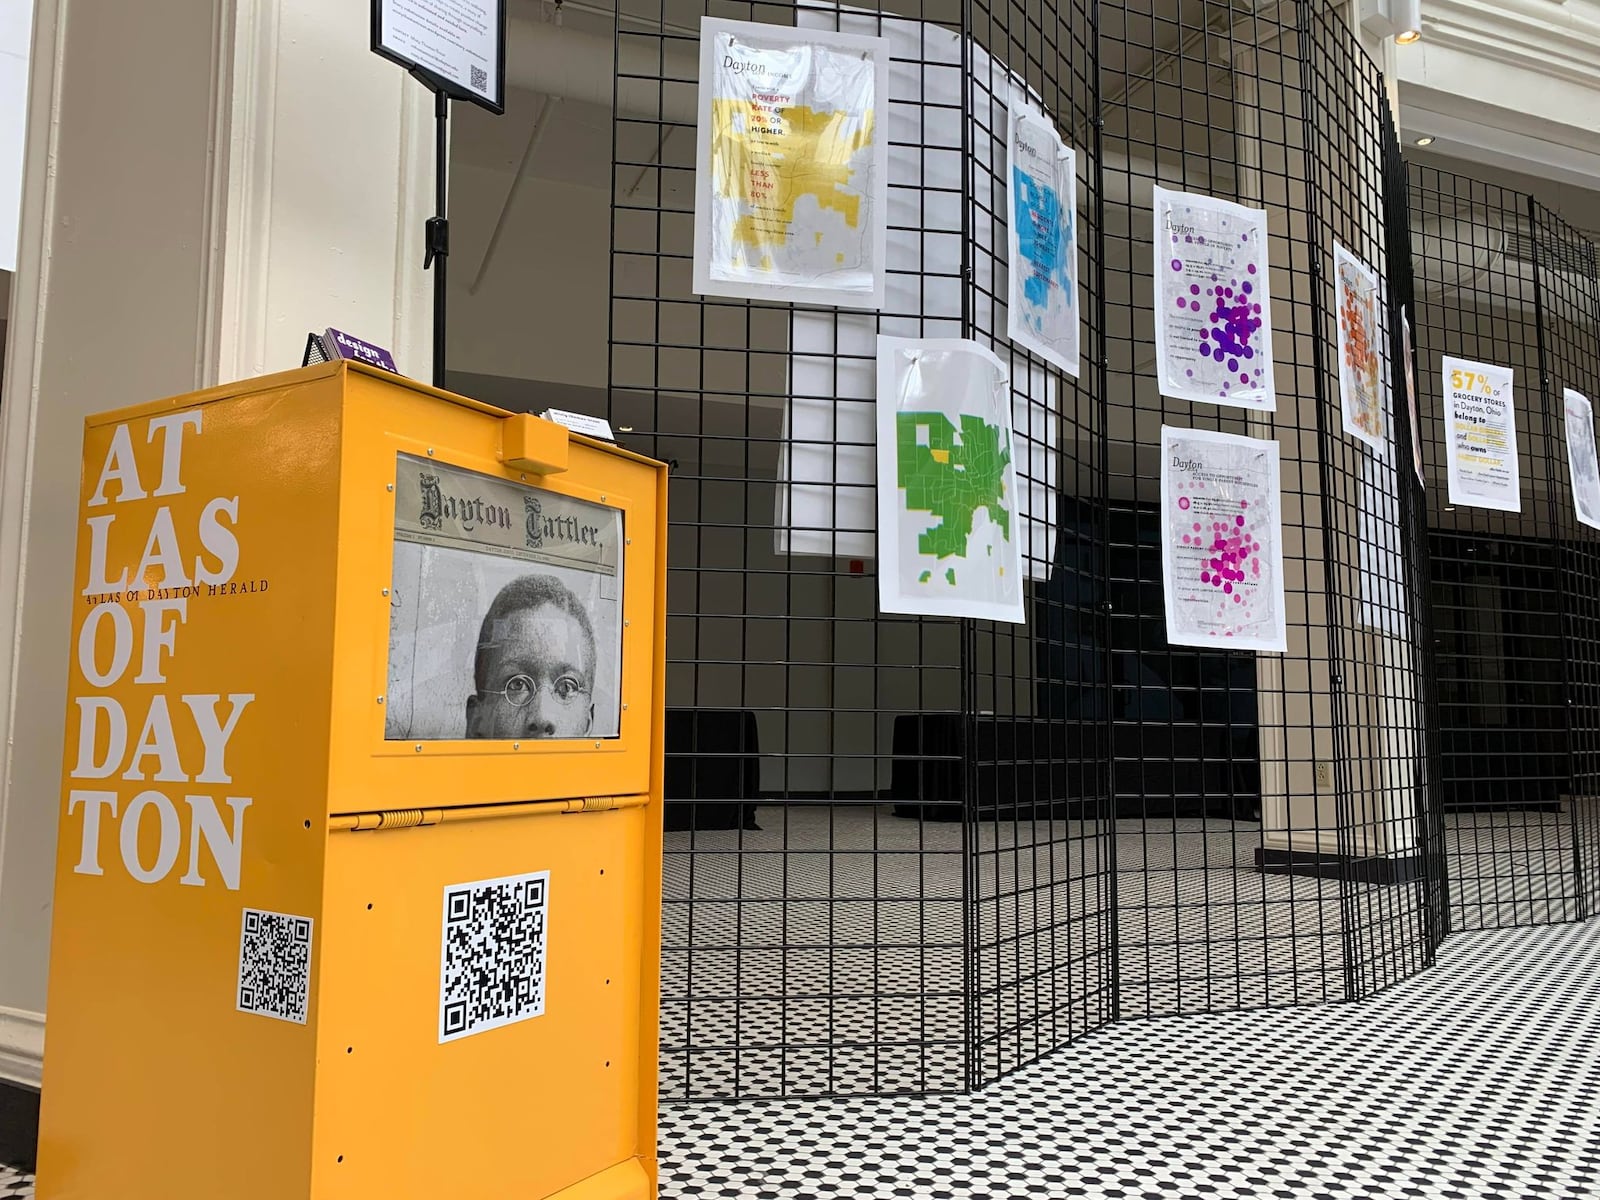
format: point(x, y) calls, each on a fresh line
point(180, 226)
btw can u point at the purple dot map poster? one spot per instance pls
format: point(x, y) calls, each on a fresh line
point(1213, 302)
point(1222, 540)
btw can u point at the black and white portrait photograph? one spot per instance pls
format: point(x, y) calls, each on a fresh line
point(505, 610)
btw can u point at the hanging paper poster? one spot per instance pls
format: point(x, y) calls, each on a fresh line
point(1581, 457)
point(1360, 337)
point(1410, 365)
point(1213, 302)
point(948, 541)
point(1041, 233)
point(1222, 540)
point(791, 191)
point(1480, 436)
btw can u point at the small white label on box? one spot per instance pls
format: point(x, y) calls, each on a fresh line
point(595, 427)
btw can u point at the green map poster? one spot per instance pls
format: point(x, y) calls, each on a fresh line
point(949, 542)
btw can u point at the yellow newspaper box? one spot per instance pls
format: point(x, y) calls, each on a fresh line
point(358, 888)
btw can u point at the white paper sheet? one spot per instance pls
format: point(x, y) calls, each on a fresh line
point(1221, 540)
point(1581, 461)
point(1213, 302)
point(1480, 436)
point(1410, 367)
point(1361, 397)
point(949, 539)
point(1042, 310)
point(791, 191)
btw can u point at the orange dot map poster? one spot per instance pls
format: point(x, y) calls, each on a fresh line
point(1360, 349)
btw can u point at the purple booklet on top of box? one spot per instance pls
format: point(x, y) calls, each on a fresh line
point(338, 344)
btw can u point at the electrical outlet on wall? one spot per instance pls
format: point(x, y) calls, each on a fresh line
point(1324, 773)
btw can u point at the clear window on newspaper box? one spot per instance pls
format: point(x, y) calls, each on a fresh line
point(505, 611)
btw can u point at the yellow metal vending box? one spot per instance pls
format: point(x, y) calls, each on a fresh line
point(358, 888)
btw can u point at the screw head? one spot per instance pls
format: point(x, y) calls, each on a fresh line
point(380, 699)
point(390, 486)
point(385, 591)
point(516, 745)
point(419, 747)
point(430, 451)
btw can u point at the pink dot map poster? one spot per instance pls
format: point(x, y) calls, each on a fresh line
point(1222, 540)
point(1213, 302)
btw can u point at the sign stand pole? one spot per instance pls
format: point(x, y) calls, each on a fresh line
point(466, 62)
point(438, 228)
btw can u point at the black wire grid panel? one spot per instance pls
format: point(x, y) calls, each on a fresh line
point(909, 855)
point(1500, 279)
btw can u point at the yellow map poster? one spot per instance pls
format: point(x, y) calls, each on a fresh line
point(791, 194)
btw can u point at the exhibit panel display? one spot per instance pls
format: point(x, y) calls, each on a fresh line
point(308, 903)
point(830, 706)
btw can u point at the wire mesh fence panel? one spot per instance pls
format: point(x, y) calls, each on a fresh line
point(1231, 838)
point(814, 935)
point(1566, 292)
point(909, 853)
point(1495, 575)
point(1380, 764)
point(1042, 970)
point(1410, 434)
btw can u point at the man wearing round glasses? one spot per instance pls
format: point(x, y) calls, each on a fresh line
point(534, 669)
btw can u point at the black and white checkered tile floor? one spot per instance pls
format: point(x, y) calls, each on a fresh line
point(1480, 1078)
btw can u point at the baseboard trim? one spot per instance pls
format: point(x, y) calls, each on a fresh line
point(21, 1046)
point(1360, 868)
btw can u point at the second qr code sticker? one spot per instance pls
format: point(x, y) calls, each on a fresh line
point(274, 965)
point(492, 958)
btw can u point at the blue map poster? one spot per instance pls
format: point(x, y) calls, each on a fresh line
point(1042, 227)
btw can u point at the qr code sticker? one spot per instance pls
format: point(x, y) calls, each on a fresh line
point(274, 965)
point(480, 79)
point(493, 958)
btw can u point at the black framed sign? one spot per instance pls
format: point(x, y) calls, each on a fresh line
point(454, 46)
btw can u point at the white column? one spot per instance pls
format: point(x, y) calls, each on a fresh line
point(204, 184)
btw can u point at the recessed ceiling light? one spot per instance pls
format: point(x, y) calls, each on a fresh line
point(1426, 140)
point(1406, 36)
